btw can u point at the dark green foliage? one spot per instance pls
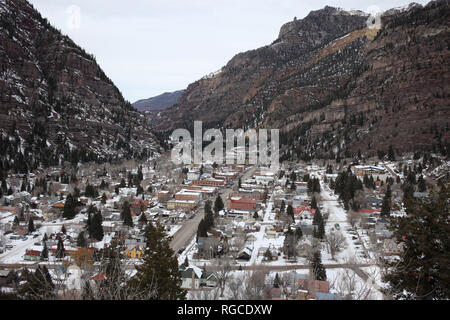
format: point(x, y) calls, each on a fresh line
point(346, 185)
point(423, 269)
point(290, 211)
point(317, 267)
point(60, 251)
point(218, 204)
point(81, 241)
point(96, 228)
point(276, 281)
point(91, 191)
point(44, 252)
point(126, 214)
point(159, 270)
point(38, 285)
point(69, 207)
point(31, 227)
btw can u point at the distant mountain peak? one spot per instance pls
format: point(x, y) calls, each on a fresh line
point(158, 103)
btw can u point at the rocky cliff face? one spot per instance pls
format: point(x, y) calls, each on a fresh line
point(56, 102)
point(333, 85)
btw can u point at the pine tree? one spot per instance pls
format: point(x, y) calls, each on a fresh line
point(159, 270)
point(421, 184)
point(31, 227)
point(60, 251)
point(386, 206)
point(202, 229)
point(16, 221)
point(44, 253)
point(63, 229)
point(96, 226)
point(317, 267)
point(290, 212)
point(422, 270)
point(126, 215)
point(37, 285)
point(276, 281)
point(69, 207)
point(218, 204)
point(103, 198)
point(81, 241)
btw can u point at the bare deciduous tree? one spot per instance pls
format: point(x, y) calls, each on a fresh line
point(335, 242)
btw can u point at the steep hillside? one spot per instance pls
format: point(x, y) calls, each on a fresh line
point(158, 103)
point(332, 85)
point(56, 102)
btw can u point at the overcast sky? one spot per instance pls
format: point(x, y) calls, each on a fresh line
point(148, 47)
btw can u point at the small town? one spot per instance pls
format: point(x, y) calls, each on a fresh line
point(317, 230)
point(216, 159)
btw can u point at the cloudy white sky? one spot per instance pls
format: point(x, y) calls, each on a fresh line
point(148, 47)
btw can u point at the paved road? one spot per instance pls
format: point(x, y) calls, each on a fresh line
point(184, 235)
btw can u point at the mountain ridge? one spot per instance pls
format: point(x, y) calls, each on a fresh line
point(307, 81)
point(57, 104)
point(159, 102)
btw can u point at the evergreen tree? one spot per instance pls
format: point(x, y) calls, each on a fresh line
point(31, 227)
point(202, 229)
point(96, 226)
point(44, 253)
point(386, 206)
point(16, 221)
point(63, 229)
point(276, 281)
point(37, 285)
point(60, 251)
point(317, 267)
point(69, 207)
point(283, 206)
point(422, 271)
point(81, 241)
point(290, 212)
point(126, 214)
point(218, 204)
point(421, 184)
point(159, 270)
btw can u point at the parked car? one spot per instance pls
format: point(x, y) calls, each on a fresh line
point(9, 246)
